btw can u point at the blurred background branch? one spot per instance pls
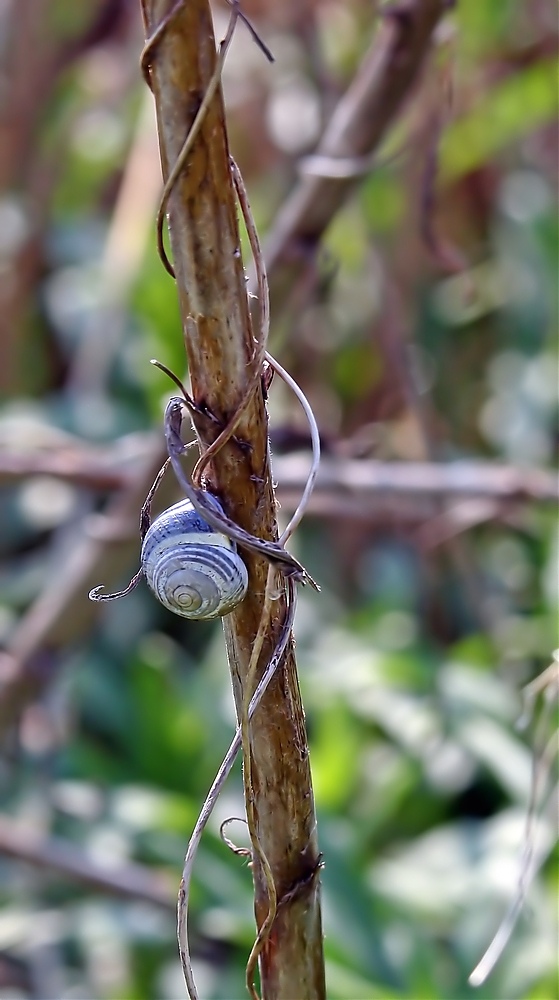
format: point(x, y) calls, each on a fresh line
point(356, 128)
point(367, 479)
point(61, 857)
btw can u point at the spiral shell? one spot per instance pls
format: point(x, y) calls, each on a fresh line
point(192, 569)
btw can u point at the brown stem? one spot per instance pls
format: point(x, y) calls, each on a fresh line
point(219, 340)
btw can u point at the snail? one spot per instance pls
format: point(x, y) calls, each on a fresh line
point(191, 568)
point(191, 562)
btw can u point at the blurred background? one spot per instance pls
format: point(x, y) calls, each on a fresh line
point(423, 330)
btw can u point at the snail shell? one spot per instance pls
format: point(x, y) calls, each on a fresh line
point(192, 569)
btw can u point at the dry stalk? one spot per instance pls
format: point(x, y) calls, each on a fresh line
point(220, 346)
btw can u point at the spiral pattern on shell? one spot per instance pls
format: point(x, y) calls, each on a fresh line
point(191, 568)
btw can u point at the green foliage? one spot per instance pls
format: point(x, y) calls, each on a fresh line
point(520, 104)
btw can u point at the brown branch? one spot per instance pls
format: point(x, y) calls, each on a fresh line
point(214, 308)
point(357, 127)
point(71, 459)
point(366, 480)
point(413, 492)
point(130, 881)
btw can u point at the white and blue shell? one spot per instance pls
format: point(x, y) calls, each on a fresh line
point(191, 568)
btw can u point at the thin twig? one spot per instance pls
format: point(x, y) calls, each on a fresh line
point(145, 521)
point(255, 36)
point(315, 443)
point(262, 354)
point(244, 852)
point(544, 751)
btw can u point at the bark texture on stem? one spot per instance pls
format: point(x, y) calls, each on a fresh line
point(219, 342)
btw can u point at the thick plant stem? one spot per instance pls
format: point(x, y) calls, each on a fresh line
point(211, 285)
